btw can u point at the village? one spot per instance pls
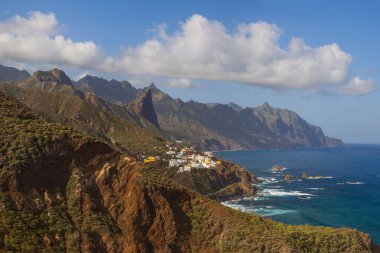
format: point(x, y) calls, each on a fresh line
point(185, 159)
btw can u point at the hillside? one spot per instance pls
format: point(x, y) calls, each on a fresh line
point(293, 128)
point(11, 74)
point(51, 94)
point(131, 129)
point(113, 90)
point(65, 192)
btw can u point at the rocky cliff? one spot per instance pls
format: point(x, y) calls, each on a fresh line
point(143, 106)
point(61, 191)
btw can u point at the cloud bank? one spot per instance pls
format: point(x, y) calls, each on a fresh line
point(36, 40)
point(199, 49)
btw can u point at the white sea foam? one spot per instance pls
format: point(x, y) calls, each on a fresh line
point(339, 183)
point(319, 177)
point(316, 188)
point(349, 182)
point(271, 211)
point(263, 211)
point(268, 180)
point(281, 193)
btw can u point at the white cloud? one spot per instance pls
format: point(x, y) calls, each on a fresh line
point(358, 86)
point(36, 40)
point(179, 83)
point(200, 49)
point(204, 49)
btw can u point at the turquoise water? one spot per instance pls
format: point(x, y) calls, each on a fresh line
point(348, 197)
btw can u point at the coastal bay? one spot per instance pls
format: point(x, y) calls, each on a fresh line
point(345, 196)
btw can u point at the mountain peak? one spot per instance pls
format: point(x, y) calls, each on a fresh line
point(54, 75)
point(266, 104)
point(143, 106)
point(236, 107)
point(152, 86)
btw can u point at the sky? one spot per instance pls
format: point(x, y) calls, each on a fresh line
point(317, 58)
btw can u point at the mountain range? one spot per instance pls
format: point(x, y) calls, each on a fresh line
point(206, 126)
point(218, 126)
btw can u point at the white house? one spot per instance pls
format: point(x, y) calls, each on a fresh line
point(173, 163)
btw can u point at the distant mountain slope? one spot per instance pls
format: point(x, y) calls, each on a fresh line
point(292, 127)
point(218, 126)
point(11, 74)
point(212, 127)
point(115, 91)
point(51, 94)
point(61, 191)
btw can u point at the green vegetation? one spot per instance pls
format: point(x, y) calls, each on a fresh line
point(25, 138)
point(54, 219)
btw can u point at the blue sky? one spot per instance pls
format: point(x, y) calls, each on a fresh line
point(343, 107)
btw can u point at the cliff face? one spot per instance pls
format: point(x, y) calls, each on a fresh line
point(143, 106)
point(63, 192)
point(293, 128)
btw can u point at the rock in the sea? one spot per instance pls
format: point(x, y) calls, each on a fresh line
point(289, 177)
point(277, 168)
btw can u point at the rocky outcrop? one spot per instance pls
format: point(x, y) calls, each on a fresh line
point(56, 76)
point(143, 106)
point(221, 183)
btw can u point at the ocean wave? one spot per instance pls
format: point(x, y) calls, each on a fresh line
point(271, 211)
point(281, 193)
point(268, 180)
point(350, 182)
point(262, 211)
point(315, 189)
point(319, 177)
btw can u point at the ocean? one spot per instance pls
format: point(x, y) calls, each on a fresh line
point(348, 194)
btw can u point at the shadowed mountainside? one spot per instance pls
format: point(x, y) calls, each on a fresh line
point(11, 74)
point(220, 126)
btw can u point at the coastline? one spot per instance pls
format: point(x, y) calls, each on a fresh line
point(344, 187)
